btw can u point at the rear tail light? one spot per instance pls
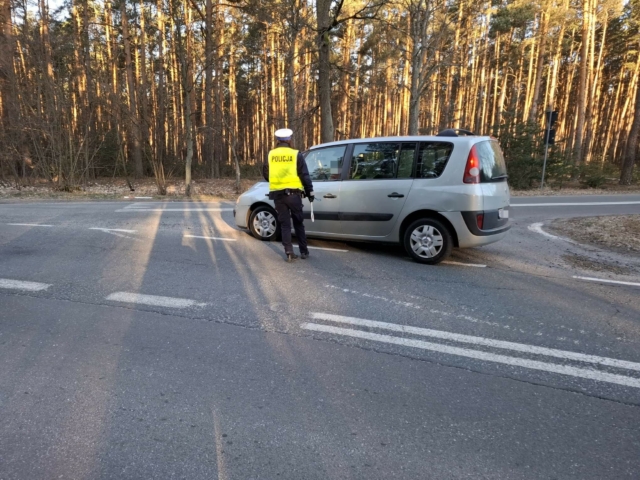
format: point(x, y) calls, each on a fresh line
point(472, 170)
point(480, 220)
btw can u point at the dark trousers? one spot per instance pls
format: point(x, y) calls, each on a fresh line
point(289, 207)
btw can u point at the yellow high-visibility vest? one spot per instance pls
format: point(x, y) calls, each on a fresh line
point(283, 169)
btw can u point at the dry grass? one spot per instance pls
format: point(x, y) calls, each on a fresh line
point(620, 233)
point(224, 188)
point(117, 188)
point(577, 190)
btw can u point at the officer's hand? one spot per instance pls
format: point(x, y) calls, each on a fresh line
point(311, 196)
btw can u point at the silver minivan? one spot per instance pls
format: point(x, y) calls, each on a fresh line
point(428, 193)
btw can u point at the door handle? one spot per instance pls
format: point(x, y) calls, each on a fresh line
point(330, 195)
point(396, 195)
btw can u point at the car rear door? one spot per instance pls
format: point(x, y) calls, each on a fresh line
point(325, 169)
point(376, 188)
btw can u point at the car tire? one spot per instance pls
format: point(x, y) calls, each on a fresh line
point(263, 224)
point(428, 240)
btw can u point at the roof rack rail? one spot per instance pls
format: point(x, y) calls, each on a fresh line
point(455, 132)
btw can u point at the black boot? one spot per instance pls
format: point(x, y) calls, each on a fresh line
point(304, 255)
point(291, 257)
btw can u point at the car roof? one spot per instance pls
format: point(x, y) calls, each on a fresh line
point(412, 138)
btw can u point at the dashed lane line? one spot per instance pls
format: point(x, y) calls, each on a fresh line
point(585, 373)
point(451, 262)
point(485, 342)
point(28, 225)
point(22, 285)
point(131, 210)
point(602, 280)
point(328, 249)
point(107, 230)
point(223, 239)
point(153, 300)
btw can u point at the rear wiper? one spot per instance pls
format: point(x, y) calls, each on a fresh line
point(500, 177)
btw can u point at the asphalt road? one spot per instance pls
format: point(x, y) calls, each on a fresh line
point(132, 347)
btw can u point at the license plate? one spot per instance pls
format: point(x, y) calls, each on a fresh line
point(502, 213)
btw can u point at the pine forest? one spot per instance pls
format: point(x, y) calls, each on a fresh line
point(196, 88)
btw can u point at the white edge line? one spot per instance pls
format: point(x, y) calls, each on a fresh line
point(20, 285)
point(113, 230)
point(213, 238)
point(586, 204)
point(479, 355)
point(477, 265)
point(28, 225)
point(617, 282)
point(153, 300)
point(487, 342)
point(143, 198)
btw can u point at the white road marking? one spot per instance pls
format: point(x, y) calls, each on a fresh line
point(479, 355)
point(537, 228)
point(572, 204)
point(20, 285)
point(376, 297)
point(486, 342)
point(154, 300)
point(328, 249)
point(477, 265)
point(617, 282)
point(213, 238)
point(107, 230)
point(29, 225)
point(129, 210)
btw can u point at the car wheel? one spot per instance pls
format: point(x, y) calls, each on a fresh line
point(427, 240)
point(263, 224)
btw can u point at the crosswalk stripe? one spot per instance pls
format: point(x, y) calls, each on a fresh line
point(589, 374)
point(485, 342)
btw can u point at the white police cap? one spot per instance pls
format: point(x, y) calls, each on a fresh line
point(284, 134)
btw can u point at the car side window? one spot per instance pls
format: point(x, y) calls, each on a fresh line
point(374, 161)
point(433, 158)
point(325, 164)
point(405, 163)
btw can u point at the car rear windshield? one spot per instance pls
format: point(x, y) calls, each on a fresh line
point(493, 168)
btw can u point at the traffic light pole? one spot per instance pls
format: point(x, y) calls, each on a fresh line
point(546, 147)
point(544, 165)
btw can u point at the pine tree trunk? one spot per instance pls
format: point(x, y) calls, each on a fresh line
point(582, 89)
point(324, 70)
point(134, 121)
point(631, 151)
point(542, 42)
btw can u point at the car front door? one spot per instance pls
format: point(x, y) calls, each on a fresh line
point(378, 183)
point(325, 169)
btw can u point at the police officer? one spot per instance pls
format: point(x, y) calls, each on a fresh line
point(288, 177)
